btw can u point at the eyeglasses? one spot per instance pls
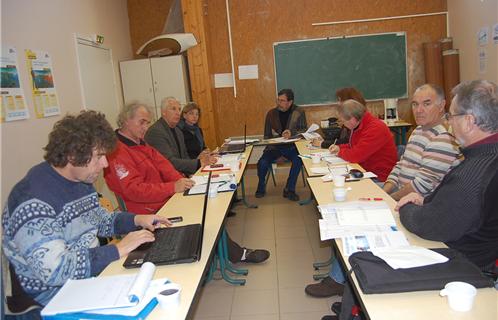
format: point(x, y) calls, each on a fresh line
point(448, 115)
point(282, 100)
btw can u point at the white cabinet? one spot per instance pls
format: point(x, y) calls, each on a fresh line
point(148, 81)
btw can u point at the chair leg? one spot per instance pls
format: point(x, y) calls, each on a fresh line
point(304, 178)
point(273, 176)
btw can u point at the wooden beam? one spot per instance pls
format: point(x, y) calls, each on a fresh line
point(195, 22)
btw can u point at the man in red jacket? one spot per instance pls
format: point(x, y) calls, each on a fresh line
point(145, 180)
point(371, 144)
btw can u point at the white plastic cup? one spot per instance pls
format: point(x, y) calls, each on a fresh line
point(213, 190)
point(324, 123)
point(169, 296)
point(340, 194)
point(315, 158)
point(460, 295)
point(339, 180)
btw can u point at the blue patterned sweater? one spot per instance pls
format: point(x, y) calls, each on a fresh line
point(50, 228)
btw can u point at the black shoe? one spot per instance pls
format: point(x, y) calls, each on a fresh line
point(330, 317)
point(325, 288)
point(291, 195)
point(336, 307)
point(231, 213)
point(256, 256)
point(260, 194)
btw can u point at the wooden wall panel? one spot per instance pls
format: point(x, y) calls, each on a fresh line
point(147, 19)
point(257, 24)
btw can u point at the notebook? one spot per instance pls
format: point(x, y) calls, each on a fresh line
point(235, 147)
point(173, 245)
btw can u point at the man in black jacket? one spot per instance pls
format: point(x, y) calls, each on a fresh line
point(463, 211)
point(285, 120)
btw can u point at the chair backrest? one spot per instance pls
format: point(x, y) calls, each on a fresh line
point(14, 300)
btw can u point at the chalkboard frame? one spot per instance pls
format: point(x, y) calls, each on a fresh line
point(331, 98)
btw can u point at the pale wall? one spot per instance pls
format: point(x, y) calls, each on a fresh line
point(467, 17)
point(50, 26)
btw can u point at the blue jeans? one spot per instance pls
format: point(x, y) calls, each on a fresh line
point(270, 155)
point(336, 272)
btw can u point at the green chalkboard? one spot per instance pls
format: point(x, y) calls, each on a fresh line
point(316, 68)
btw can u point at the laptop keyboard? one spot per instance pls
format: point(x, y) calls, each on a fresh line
point(172, 243)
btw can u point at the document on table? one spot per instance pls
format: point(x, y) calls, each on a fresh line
point(352, 244)
point(361, 216)
point(102, 292)
point(203, 179)
point(330, 230)
point(222, 186)
point(336, 224)
point(282, 140)
point(226, 159)
point(332, 159)
point(310, 133)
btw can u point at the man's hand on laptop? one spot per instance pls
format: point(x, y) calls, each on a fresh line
point(151, 222)
point(183, 184)
point(132, 240)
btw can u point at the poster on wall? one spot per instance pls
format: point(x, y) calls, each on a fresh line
point(42, 83)
point(12, 103)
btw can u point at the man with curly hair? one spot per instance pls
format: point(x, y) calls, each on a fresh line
point(53, 216)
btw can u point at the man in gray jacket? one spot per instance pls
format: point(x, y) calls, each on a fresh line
point(167, 138)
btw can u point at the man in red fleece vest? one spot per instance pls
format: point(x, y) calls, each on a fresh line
point(371, 144)
point(145, 180)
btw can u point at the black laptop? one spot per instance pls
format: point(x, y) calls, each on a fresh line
point(172, 245)
point(235, 147)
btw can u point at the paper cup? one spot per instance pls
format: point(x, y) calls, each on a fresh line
point(339, 180)
point(169, 296)
point(460, 295)
point(340, 194)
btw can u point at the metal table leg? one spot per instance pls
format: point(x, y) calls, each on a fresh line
point(244, 200)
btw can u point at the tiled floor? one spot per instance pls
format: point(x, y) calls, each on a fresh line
point(274, 289)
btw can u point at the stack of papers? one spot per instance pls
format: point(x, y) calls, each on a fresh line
point(358, 217)
point(362, 226)
point(310, 133)
point(107, 297)
point(224, 182)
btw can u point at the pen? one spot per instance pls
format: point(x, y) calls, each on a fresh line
point(370, 199)
point(305, 156)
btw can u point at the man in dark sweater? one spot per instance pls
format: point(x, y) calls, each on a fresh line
point(285, 120)
point(165, 136)
point(53, 216)
point(463, 211)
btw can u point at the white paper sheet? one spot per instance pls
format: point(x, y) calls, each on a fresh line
point(330, 230)
point(408, 257)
